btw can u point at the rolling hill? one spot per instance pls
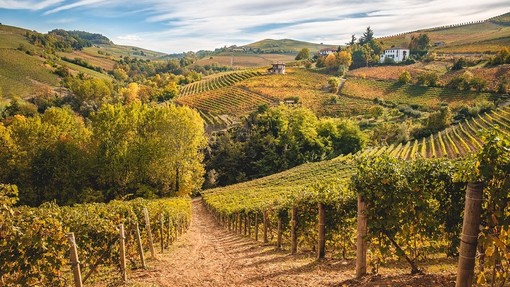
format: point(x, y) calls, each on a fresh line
point(474, 37)
point(285, 46)
point(26, 69)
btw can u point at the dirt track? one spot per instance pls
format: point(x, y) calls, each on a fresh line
point(208, 255)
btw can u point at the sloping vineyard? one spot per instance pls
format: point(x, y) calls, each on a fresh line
point(454, 142)
point(290, 202)
point(409, 94)
point(229, 100)
point(34, 244)
point(217, 82)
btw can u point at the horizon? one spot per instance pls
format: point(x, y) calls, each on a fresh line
point(180, 27)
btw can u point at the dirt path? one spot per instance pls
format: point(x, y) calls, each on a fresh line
point(208, 255)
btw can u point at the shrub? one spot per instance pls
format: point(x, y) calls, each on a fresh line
point(479, 84)
point(429, 79)
point(405, 77)
point(461, 82)
point(333, 83)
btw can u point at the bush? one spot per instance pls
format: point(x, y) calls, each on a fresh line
point(333, 83)
point(405, 77)
point(459, 64)
point(429, 79)
point(461, 82)
point(478, 84)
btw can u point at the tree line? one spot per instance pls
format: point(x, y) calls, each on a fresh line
point(274, 139)
point(119, 151)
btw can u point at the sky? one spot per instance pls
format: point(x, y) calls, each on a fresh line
point(172, 26)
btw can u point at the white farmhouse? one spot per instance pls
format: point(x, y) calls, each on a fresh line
point(397, 54)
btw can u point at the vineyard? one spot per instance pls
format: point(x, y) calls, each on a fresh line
point(228, 100)
point(397, 93)
point(36, 241)
point(284, 208)
point(217, 82)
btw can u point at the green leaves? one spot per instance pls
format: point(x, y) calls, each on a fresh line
point(414, 203)
point(34, 245)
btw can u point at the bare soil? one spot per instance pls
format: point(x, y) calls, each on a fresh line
point(208, 255)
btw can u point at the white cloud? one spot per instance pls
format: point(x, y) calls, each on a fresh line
point(129, 38)
point(28, 4)
point(76, 4)
point(174, 26)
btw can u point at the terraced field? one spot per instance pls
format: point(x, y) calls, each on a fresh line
point(234, 101)
point(217, 82)
point(454, 142)
point(398, 93)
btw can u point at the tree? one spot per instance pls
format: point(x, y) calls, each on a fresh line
point(304, 54)
point(344, 58)
point(368, 36)
point(419, 44)
point(352, 41)
point(331, 62)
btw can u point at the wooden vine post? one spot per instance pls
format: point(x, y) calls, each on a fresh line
point(279, 234)
point(169, 234)
point(239, 223)
point(256, 227)
point(249, 225)
point(245, 224)
point(139, 245)
point(161, 232)
point(322, 231)
point(75, 262)
point(293, 233)
point(266, 226)
point(229, 223)
point(148, 227)
point(361, 244)
point(469, 236)
point(122, 241)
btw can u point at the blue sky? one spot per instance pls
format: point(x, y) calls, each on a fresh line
point(176, 26)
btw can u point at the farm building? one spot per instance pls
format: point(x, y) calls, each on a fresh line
point(397, 54)
point(277, 69)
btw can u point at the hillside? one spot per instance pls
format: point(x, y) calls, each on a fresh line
point(27, 69)
point(474, 37)
point(285, 46)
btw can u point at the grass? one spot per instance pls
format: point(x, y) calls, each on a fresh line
point(431, 97)
point(116, 52)
point(81, 69)
point(95, 60)
point(307, 85)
